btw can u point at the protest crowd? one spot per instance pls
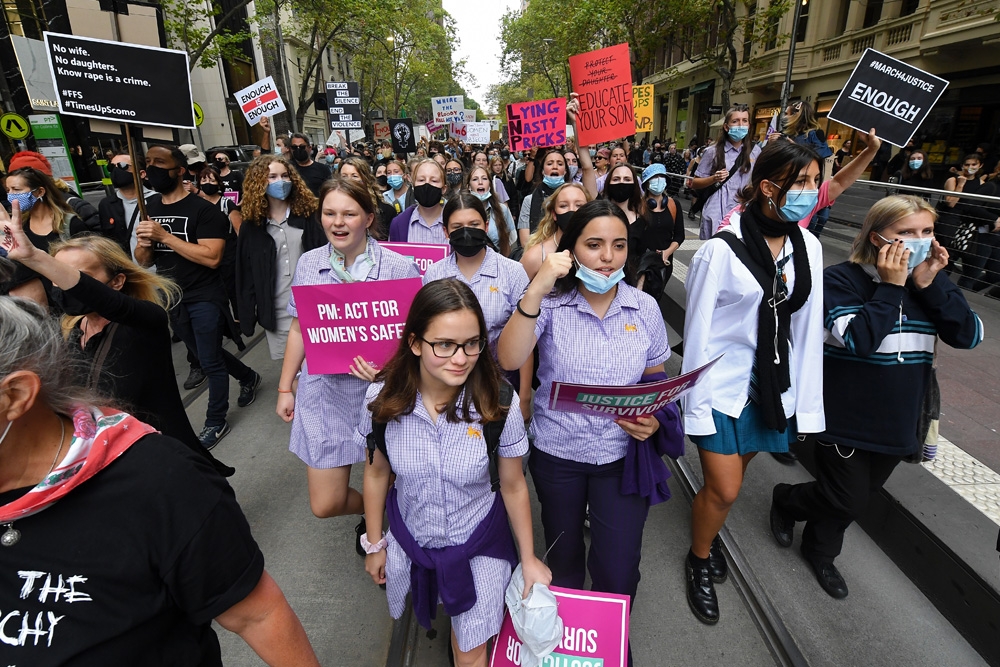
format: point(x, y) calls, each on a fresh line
point(528, 269)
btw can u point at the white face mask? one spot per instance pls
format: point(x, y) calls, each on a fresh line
point(972, 170)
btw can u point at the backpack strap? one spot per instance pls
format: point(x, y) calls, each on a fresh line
point(376, 440)
point(672, 207)
point(492, 432)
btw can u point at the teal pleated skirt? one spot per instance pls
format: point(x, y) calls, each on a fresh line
point(745, 435)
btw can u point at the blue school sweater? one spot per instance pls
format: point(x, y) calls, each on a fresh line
point(878, 353)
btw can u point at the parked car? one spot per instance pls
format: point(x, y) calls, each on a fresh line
point(240, 156)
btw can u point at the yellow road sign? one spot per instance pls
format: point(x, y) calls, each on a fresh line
point(14, 126)
point(199, 115)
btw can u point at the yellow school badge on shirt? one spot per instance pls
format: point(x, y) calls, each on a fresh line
point(631, 328)
point(494, 288)
point(475, 432)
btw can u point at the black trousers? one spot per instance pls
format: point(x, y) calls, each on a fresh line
point(837, 498)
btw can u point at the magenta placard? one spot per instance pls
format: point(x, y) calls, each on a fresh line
point(595, 632)
point(422, 254)
point(637, 400)
point(340, 322)
point(233, 195)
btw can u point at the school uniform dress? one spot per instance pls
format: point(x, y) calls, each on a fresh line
point(722, 302)
point(493, 231)
point(499, 283)
point(409, 227)
point(576, 458)
point(724, 199)
point(327, 406)
point(443, 491)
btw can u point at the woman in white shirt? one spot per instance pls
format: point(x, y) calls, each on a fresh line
point(754, 295)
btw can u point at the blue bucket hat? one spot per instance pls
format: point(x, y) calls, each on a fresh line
point(653, 170)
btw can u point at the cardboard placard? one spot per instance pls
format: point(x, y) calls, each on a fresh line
point(381, 130)
point(422, 254)
point(630, 402)
point(124, 83)
point(603, 79)
point(433, 127)
point(595, 632)
point(538, 123)
point(642, 104)
point(447, 109)
point(403, 138)
point(477, 133)
point(457, 131)
point(259, 100)
point(469, 116)
point(343, 100)
point(889, 95)
point(340, 322)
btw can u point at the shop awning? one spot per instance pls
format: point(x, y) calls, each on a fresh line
point(704, 85)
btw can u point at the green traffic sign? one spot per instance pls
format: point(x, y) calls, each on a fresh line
point(199, 115)
point(14, 126)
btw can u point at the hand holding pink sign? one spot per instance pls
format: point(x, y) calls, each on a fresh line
point(342, 322)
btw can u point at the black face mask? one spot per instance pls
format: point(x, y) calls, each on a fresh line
point(160, 179)
point(562, 220)
point(454, 179)
point(427, 195)
point(300, 153)
point(121, 178)
point(210, 189)
point(505, 154)
point(619, 192)
point(383, 181)
point(468, 241)
point(69, 304)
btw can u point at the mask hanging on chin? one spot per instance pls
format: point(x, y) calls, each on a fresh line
point(595, 281)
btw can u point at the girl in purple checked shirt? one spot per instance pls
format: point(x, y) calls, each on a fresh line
point(592, 328)
point(449, 531)
point(324, 409)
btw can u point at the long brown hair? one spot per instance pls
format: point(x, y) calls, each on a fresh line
point(720, 144)
point(401, 374)
point(254, 205)
point(496, 210)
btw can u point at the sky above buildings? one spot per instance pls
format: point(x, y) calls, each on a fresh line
point(478, 26)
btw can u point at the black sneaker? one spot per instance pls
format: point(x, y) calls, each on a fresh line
point(210, 435)
point(248, 390)
point(195, 378)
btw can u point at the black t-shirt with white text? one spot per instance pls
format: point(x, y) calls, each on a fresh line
point(189, 219)
point(130, 568)
point(232, 182)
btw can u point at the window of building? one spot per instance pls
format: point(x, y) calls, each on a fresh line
point(748, 29)
point(800, 31)
point(25, 18)
point(908, 7)
point(771, 35)
point(873, 13)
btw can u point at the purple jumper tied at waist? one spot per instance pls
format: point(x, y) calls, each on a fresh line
point(645, 473)
point(445, 572)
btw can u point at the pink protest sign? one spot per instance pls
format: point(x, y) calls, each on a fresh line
point(433, 127)
point(234, 196)
point(538, 123)
point(422, 254)
point(340, 322)
point(637, 400)
point(595, 632)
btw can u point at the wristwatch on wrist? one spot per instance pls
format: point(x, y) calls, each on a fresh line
point(373, 548)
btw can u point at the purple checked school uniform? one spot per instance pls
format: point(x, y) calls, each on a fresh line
point(443, 490)
point(498, 283)
point(574, 345)
point(327, 406)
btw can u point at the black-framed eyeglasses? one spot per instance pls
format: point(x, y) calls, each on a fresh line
point(446, 349)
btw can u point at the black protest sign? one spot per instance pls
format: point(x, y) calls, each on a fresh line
point(125, 83)
point(403, 139)
point(343, 100)
point(889, 95)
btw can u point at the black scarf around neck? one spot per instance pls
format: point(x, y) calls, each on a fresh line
point(771, 366)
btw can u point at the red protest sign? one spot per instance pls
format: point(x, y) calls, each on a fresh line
point(539, 123)
point(603, 79)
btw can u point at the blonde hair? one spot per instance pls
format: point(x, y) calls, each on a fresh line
point(884, 213)
point(140, 283)
point(801, 120)
point(547, 225)
point(417, 165)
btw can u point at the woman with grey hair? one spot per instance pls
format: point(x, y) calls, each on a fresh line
point(119, 546)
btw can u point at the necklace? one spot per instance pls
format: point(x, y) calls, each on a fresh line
point(12, 535)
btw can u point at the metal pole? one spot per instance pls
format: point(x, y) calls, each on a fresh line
point(786, 87)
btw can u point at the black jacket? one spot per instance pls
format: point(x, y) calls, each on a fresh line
point(113, 223)
point(256, 272)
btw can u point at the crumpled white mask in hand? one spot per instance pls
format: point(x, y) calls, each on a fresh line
point(536, 619)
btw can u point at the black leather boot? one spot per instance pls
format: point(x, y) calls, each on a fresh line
point(717, 561)
point(700, 589)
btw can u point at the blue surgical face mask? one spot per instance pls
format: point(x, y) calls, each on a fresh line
point(483, 196)
point(737, 133)
point(798, 204)
point(595, 281)
point(916, 164)
point(279, 189)
point(593, 152)
point(919, 249)
point(395, 181)
point(26, 200)
point(657, 185)
point(572, 171)
point(553, 181)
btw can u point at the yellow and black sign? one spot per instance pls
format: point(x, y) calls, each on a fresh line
point(14, 126)
point(199, 115)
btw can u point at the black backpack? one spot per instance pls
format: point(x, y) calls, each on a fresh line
point(491, 434)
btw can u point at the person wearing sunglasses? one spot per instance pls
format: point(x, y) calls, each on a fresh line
point(230, 180)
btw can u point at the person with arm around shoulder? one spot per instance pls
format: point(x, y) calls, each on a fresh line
point(752, 291)
point(442, 392)
point(885, 309)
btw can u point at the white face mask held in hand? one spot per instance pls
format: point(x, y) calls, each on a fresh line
point(536, 619)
